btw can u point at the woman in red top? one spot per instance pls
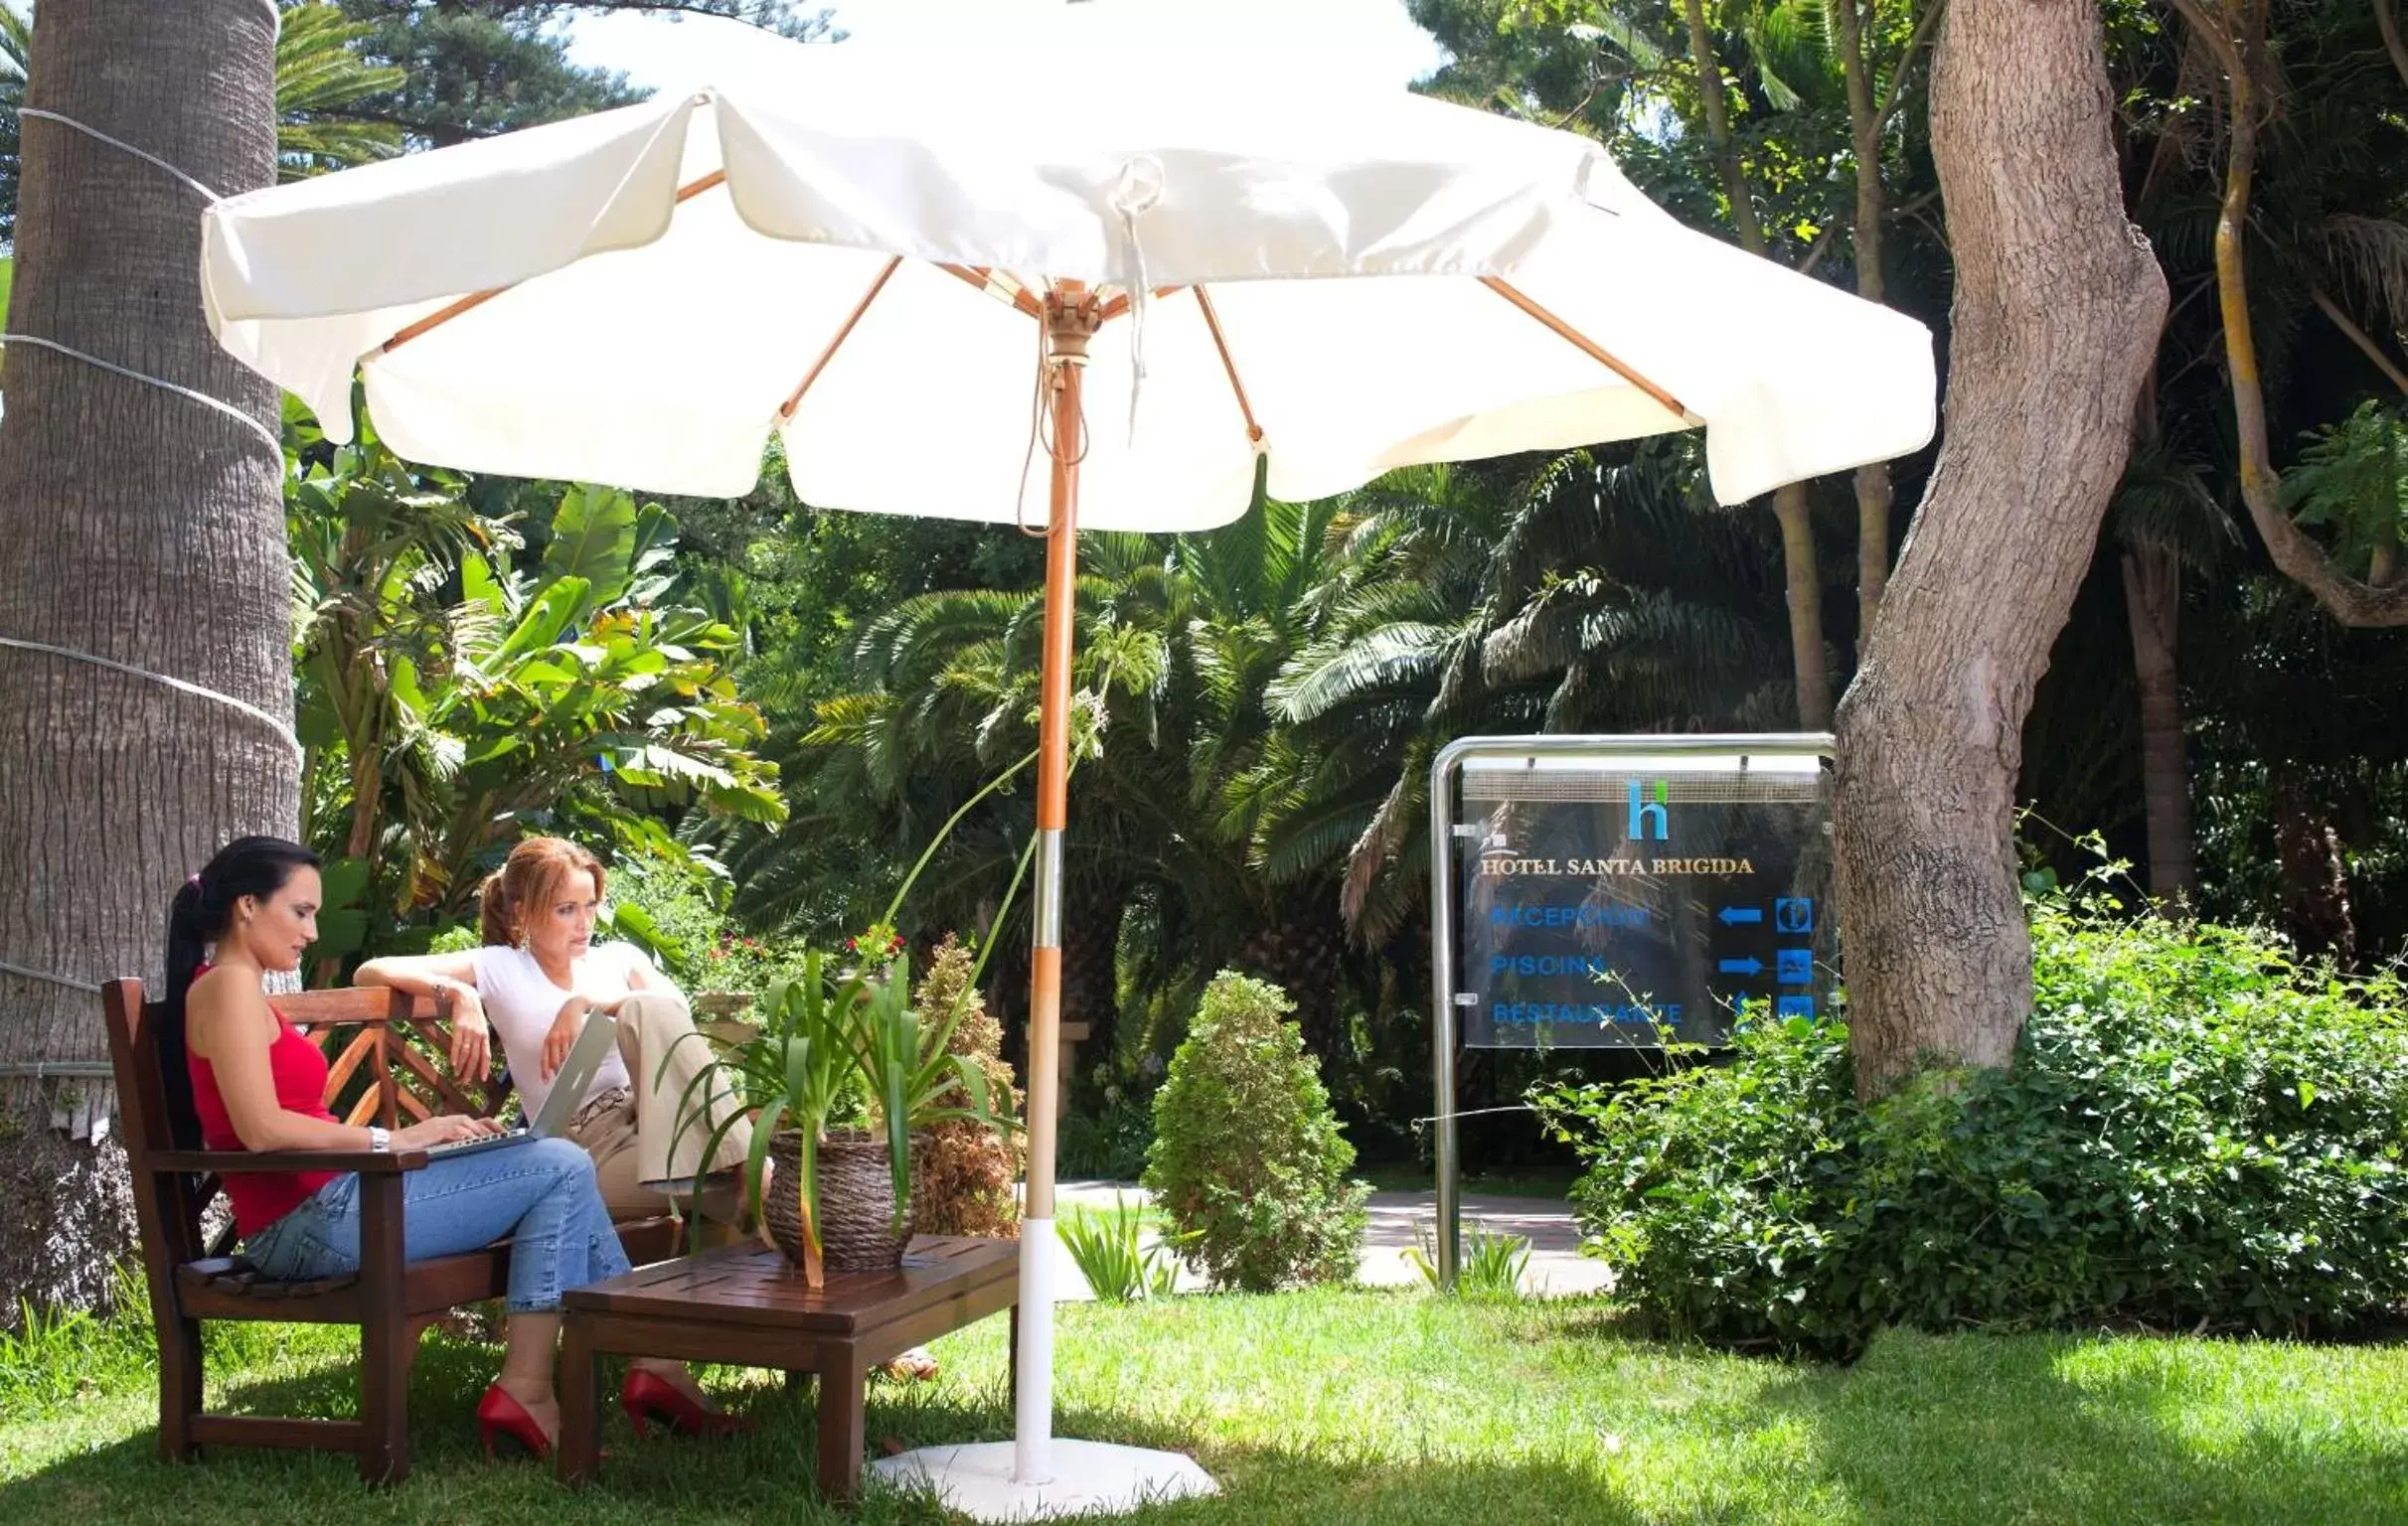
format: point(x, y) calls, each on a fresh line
point(258, 1083)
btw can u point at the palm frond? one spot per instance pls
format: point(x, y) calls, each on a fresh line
point(1328, 674)
point(2371, 254)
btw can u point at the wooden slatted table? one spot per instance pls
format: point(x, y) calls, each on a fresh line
point(746, 1305)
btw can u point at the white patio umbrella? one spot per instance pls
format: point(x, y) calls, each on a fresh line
point(922, 274)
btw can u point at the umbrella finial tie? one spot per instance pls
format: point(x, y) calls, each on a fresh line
point(1138, 191)
point(1072, 314)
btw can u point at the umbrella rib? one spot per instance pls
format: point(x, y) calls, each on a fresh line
point(984, 280)
point(1582, 342)
point(1213, 321)
point(796, 398)
point(1120, 304)
point(478, 299)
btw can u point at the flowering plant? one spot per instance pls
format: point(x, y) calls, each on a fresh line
point(877, 947)
point(732, 962)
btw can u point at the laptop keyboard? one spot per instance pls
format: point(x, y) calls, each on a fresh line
point(505, 1137)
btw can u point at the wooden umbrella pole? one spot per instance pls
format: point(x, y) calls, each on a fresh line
point(1073, 315)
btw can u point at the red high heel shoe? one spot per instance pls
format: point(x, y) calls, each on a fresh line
point(499, 1415)
point(647, 1396)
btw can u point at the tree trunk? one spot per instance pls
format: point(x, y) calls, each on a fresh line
point(1801, 577)
point(2056, 312)
point(1299, 949)
point(1802, 574)
point(1873, 491)
point(2234, 30)
point(2315, 880)
point(142, 527)
point(1090, 974)
point(2388, 23)
point(2152, 602)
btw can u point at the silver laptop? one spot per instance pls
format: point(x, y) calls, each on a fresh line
point(594, 1043)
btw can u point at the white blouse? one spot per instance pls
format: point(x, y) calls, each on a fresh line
point(521, 1003)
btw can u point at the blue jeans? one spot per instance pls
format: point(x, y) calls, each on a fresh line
point(541, 1193)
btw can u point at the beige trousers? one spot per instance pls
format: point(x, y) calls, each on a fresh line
point(635, 1138)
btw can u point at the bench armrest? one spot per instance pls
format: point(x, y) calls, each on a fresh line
point(368, 1162)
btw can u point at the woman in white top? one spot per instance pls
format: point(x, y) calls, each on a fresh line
point(537, 976)
point(534, 983)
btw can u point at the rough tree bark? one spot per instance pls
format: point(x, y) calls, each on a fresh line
point(2057, 310)
point(141, 526)
point(1802, 572)
point(2152, 604)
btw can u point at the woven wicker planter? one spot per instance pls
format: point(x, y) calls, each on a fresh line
point(856, 1201)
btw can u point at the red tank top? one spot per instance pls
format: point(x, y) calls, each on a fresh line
point(259, 1198)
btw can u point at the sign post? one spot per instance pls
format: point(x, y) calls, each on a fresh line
point(1620, 892)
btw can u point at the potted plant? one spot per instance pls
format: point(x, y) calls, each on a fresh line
point(818, 1032)
point(839, 1198)
point(794, 1074)
point(913, 1078)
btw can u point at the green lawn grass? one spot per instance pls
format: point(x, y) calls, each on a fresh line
point(1345, 1406)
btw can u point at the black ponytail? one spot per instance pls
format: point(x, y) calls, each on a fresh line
point(201, 913)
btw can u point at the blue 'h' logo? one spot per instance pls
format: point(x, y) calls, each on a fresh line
point(1644, 811)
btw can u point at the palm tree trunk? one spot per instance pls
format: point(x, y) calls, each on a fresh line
point(1090, 974)
point(1299, 949)
point(1801, 573)
point(2055, 314)
point(141, 526)
point(2315, 880)
point(1864, 118)
point(2153, 601)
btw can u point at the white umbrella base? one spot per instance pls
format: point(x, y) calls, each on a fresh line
point(1088, 1477)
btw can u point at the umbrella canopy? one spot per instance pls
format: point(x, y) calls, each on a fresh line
point(644, 295)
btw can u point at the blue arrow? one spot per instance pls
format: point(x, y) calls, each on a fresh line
point(1732, 915)
point(1742, 966)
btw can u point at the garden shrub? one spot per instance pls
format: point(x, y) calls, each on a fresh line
point(1248, 1160)
point(2195, 1132)
point(459, 937)
point(963, 1179)
point(668, 909)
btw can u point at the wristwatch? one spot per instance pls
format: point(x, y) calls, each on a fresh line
point(379, 1142)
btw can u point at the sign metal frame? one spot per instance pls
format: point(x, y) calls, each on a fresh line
point(1446, 772)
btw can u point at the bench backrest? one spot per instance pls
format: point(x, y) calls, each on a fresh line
point(384, 1063)
point(384, 1057)
point(168, 1206)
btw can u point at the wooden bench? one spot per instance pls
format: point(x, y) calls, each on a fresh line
point(379, 1044)
point(748, 1306)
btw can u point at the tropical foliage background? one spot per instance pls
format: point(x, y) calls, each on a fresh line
point(766, 710)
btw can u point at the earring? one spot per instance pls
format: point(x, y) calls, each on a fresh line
point(522, 944)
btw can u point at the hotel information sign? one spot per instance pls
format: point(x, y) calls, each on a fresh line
point(1619, 899)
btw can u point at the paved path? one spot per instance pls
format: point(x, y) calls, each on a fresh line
point(1399, 1221)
